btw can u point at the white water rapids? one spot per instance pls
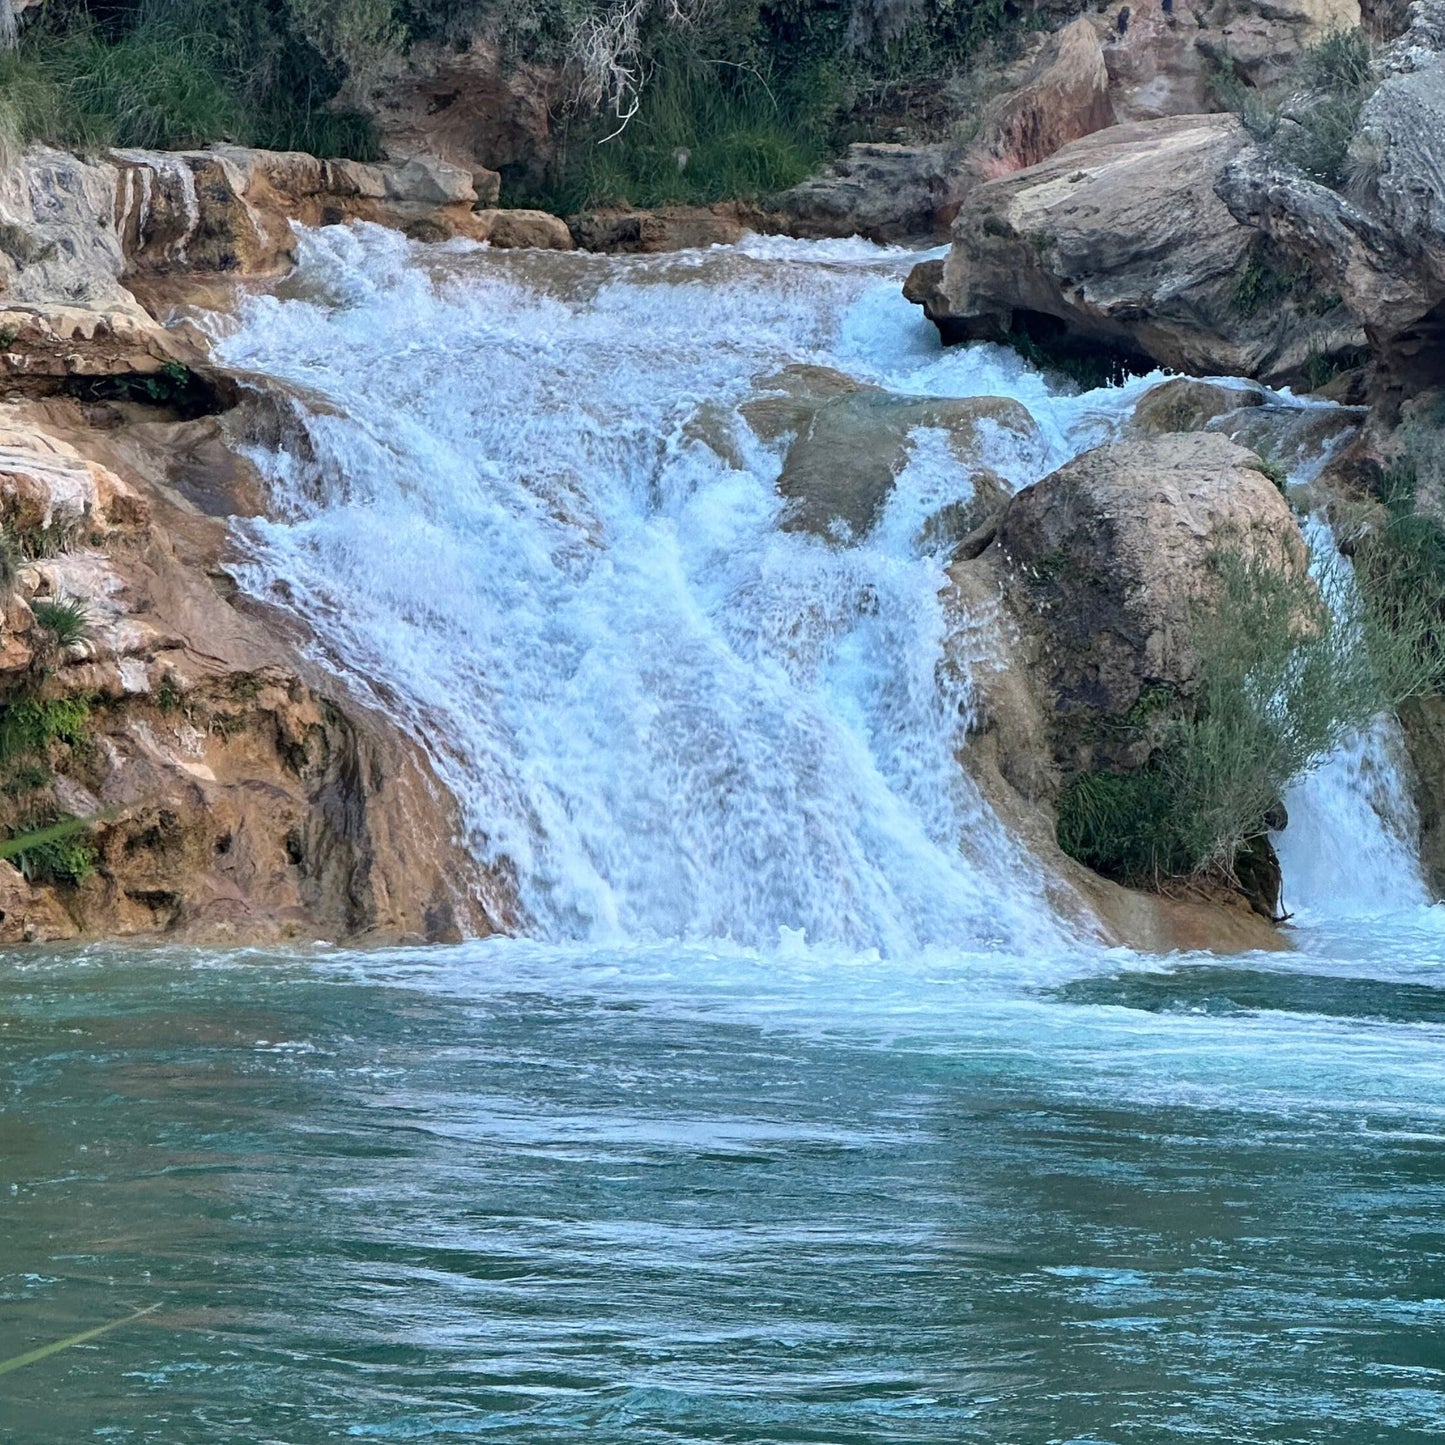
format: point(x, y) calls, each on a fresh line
point(523, 505)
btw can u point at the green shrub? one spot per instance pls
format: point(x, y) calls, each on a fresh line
point(701, 134)
point(1277, 472)
point(52, 855)
point(176, 73)
point(28, 726)
point(1286, 673)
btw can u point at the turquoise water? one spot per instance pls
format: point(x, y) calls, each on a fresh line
point(528, 1195)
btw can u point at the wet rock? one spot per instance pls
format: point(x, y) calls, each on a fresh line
point(1184, 405)
point(229, 209)
point(1090, 580)
point(793, 395)
point(63, 308)
point(851, 442)
point(1302, 440)
point(245, 800)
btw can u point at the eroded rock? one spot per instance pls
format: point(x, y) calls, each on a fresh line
point(1119, 243)
point(1184, 405)
point(1101, 566)
point(243, 797)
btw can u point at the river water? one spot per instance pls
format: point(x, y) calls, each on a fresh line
point(795, 1116)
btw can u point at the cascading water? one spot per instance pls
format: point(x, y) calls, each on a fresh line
point(526, 504)
point(627, 1180)
point(1351, 847)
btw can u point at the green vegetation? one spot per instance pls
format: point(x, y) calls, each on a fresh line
point(1267, 281)
point(1277, 472)
point(48, 847)
point(1287, 671)
point(701, 134)
point(29, 726)
point(1309, 118)
point(177, 387)
point(63, 617)
point(53, 852)
point(672, 100)
point(174, 73)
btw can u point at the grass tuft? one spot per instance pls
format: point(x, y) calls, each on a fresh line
point(65, 618)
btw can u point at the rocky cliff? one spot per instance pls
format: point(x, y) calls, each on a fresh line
point(240, 794)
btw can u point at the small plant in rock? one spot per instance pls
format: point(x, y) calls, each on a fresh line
point(1268, 280)
point(28, 725)
point(65, 618)
point(55, 537)
point(1275, 471)
point(1310, 118)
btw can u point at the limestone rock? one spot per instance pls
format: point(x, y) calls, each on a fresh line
point(1065, 98)
point(247, 799)
point(1102, 564)
point(883, 192)
point(28, 914)
point(622, 230)
point(63, 308)
point(471, 107)
point(850, 442)
point(1118, 242)
point(1086, 586)
point(229, 209)
point(1184, 405)
point(524, 230)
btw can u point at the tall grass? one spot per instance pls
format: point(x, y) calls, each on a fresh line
point(1309, 118)
point(174, 75)
point(702, 134)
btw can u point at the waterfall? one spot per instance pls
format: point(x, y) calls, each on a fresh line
point(1352, 845)
point(523, 513)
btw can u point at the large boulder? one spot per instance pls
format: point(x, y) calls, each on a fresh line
point(1183, 404)
point(1103, 565)
point(1118, 243)
point(1090, 580)
point(850, 443)
point(882, 191)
